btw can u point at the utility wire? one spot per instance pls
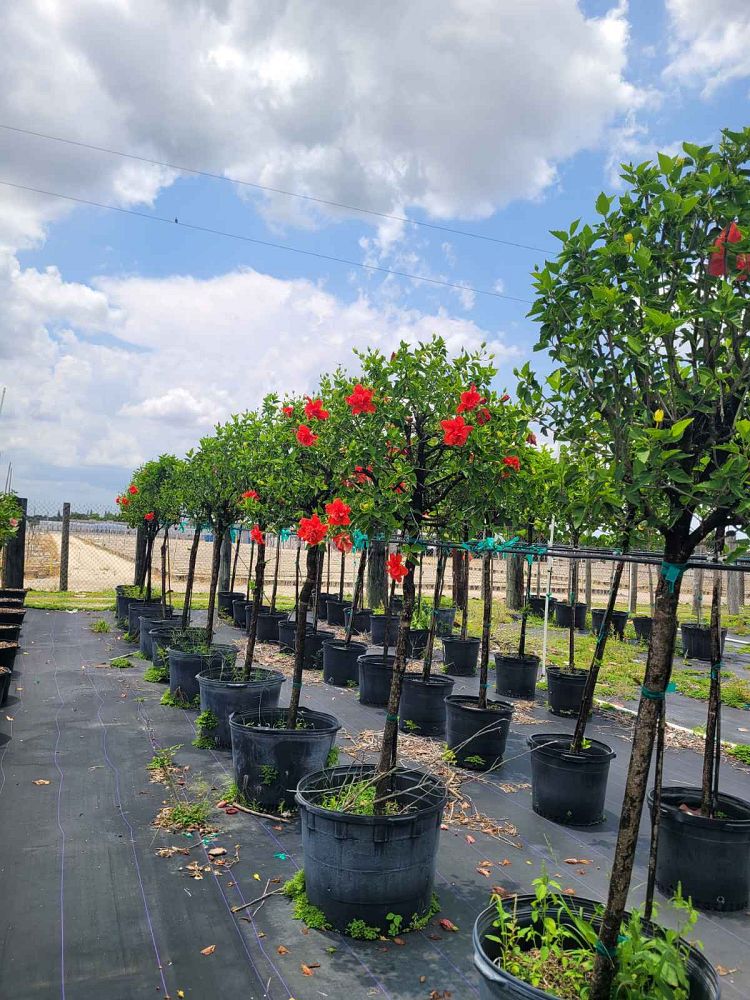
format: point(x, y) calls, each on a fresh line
point(274, 190)
point(263, 243)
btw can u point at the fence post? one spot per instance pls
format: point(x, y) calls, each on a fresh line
point(64, 546)
point(633, 588)
point(15, 551)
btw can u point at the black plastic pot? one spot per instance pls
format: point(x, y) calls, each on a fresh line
point(140, 609)
point(5, 678)
point(268, 626)
point(185, 667)
point(696, 641)
point(9, 633)
point(12, 616)
point(340, 662)
point(375, 678)
point(536, 605)
point(497, 984)
point(264, 610)
point(8, 655)
point(11, 602)
point(377, 629)
point(444, 619)
point(162, 637)
point(286, 632)
point(417, 642)
point(565, 690)
point(710, 858)
point(515, 676)
point(477, 736)
point(224, 693)
point(225, 598)
point(361, 620)
point(617, 623)
point(642, 625)
point(238, 611)
point(367, 867)
point(144, 634)
point(422, 706)
point(460, 656)
point(270, 760)
point(569, 788)
point(314, 645)
point(18, 593)
point(122, 603)
point(562, 614)
point(335, 611)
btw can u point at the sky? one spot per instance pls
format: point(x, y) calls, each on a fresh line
point(490, 121)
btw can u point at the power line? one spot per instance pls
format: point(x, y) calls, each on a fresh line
point(263, 243)
point(274, 190)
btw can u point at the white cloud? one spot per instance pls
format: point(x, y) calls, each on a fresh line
point(455, 108)
point(710, 43)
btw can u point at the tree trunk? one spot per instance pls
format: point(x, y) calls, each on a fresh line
point(712, 751)
point(436, 595)
point(484, 654)
point(164, 573)
point(377, 579)
point(573, 601)
point(190, 577)
point(658, 669)
point(141, 544)
point(387, 623)
point(734, 596)
point(215, 562)
point(250, 571)
point(342, 576)
point(514, 582)
point(260, 572)
point(276, 574)
point(698, 594)
point(236, 557)
point(226, 561)
point(527, 600)
point(587, 587)
point(149, 560)
point(632, 588)
point(465, 605)
point(460, 581)
point(303, 603)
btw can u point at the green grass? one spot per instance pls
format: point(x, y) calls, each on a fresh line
point(696, 683)
point(188, 815)
point(100, 625)
point(741, 752)
point(121, 662)
point(156, 675)
point(94, 600)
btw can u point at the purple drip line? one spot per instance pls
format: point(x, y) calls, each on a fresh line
point(118, 801)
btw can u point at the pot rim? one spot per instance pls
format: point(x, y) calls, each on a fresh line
point(690, 793)
point(470, 640)
point(332, 724)
point(435, 680)
point(438, 787)
point(601, 751)
point(269, 680)
point(465, 701)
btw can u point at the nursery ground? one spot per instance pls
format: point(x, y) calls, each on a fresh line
point(90, 910)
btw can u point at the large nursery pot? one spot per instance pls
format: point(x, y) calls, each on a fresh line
point(5, 678)
point(286, 633)
point(238, 610)
point(162, 637)
point(225, 598)
point(417, 642)
point(562, 614)
point(696, 641)
point(224, 692)
point(642, 625)
point(12, 616)
point(569, 788)
point(515, 676)
point(8, 653)
point(616, 626)
point(422, 706)
point(124, 599)
point(536, 605)
point(565, 690)
point(335, 611)
point(361, 620)
point(370, 867)
point(268, 626)
point(147, 624)
point(460, 656)
point(477, 736)
point(11, 602)
point(269, 760)
point(138, 610)
point(340, 662)
point(248, 616)
point(378, 627)
point(185, 667)
point(375, 678)
point(10, 633)
point(314, 644)
point(444, 619)
point(497, 984)
point(15, 593)
point(710, 858)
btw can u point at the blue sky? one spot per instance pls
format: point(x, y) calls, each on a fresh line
point(627, 80)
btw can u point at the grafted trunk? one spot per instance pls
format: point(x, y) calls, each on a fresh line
point(712, 751)
point(190, 577)
point(377, 578)
point(514, 582)
point(260, 572)
point(303, 603)
point(215, 562)
point(236, 557)
point(276, 574)
point(164, 573)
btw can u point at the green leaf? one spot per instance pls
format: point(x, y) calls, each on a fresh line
point(603, 203)
point(678, 429)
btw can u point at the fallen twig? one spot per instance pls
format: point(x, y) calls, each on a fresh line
point(254, 812)
point(258, 899)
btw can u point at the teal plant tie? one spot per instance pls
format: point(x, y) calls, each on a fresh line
point(672, 572)
point(716, 670)
point(658, 695)
point(359, 539)
point(605, 951)
point(485, 686)
point(296, 684)
point(391, 718)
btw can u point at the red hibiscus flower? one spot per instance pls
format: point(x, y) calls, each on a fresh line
point(251, 495)
point(118, 499)
point(362, 474)
point(531, 438)
point(483, 416)
point(305, 436)
point(314, 409)
point(132, 489)
point(505, 398)
point(312, 530)
point(401, 488)
point(512, 462)
point(343, 542)
point(150, 516)
point(338, 513)
point(470, 400)
point(455, 431)
point(257, 535)
point(124, 501)
point(396, 568)
point(360, 400)
point(288, 411)
point(717, 264)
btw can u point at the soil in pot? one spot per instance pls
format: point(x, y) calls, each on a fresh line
point(696, 641)
point(515, 676)
point(225, 691)
point(8, 653)
point(565, 690)
point(569, 788)
point(562, 614)
point(642, 625)
point(499, 984)
point(335, 611)
point(225, 598)
point(616, 626)
point(340, 662)
point(268, 626)
point(460, 656)
point(422, 707)
point(269, 760)
point(360, 867)
point(184, 668)
point(710, 858)
point(375, 678)
point(361, 620)
point(477, 736)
